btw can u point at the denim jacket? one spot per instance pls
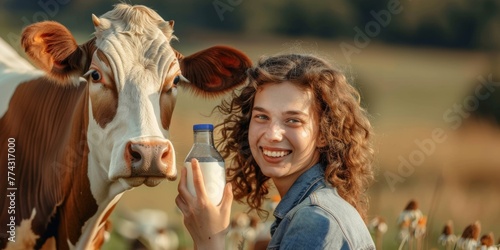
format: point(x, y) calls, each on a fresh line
point(312, 215)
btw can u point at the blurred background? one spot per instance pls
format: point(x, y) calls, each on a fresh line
point(428, 71)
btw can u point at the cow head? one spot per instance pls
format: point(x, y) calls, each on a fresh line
point(132, 73)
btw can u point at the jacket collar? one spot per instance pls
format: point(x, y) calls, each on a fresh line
point(307, 183)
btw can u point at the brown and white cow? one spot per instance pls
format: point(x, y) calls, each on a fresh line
point(95, 124)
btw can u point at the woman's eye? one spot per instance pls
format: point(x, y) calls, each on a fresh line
point(96, 76)
point(177, 79)
point(260, 117)
point(294, 122)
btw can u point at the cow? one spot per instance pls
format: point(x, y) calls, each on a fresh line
point(95, 122)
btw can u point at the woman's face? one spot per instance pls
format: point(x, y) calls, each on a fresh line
point(283, 133)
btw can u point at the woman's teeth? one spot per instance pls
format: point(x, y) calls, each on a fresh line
point(275, 153)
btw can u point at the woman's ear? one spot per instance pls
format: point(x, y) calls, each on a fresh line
point(321, 141)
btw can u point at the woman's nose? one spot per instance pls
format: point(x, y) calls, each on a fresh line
point(274, 132)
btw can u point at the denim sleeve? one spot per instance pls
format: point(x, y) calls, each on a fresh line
point(313, 228)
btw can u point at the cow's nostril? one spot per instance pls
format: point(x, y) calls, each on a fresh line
point(164, 155)
point(134, 153)
point(150, 157)
point(135, 156)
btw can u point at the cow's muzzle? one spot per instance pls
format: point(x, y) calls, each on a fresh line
point(151, 157)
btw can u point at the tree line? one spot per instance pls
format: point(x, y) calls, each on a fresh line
point(447, 23)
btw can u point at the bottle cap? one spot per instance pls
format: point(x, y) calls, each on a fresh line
point(201, 127)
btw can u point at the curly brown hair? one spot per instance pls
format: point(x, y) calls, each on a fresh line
point(343, 123)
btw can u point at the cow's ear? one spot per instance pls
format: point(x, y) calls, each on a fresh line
point(215, 70)
point(52, 47)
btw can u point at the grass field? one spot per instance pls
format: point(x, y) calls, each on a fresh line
point(407, 92)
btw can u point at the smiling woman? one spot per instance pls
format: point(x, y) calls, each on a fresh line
point(299, 124)
point(283, 135)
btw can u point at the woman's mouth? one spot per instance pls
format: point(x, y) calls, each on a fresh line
point(276, 153)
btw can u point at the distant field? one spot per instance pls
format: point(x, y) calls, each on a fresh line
point(407, 91)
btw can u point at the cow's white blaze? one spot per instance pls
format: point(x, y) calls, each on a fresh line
point(138, 67)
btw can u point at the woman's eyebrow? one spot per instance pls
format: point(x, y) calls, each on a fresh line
point(288, 112)
point(257, 108)
point(296, 112)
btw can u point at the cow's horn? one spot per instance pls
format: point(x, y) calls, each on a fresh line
point(96, 20)
point(100, 23)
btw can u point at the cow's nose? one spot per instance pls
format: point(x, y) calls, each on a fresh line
point(150, 158)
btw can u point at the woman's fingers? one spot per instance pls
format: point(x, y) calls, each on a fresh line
point(199, 185)
point(184, 194)
point(227, 198)
point(185, 198)
point(181, 204)
point(182, 187)
point(207, 223)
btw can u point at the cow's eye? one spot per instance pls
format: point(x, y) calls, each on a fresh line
point(96, 76)
point(177, 79)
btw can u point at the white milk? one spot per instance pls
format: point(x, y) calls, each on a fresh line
point(214, 177)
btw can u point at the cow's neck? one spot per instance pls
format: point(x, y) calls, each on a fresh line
point(54, 162)
point(83, 214)
point(105, 193)
point(78, 204)
point(108, 196)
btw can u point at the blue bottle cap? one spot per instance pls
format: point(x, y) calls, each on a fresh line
point(200, 127)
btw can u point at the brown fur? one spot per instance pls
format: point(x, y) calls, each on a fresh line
point(52, 48)
point(215, 69)
point(50, 160)
point(104, 102)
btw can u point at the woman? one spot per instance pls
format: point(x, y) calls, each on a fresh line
point(299, 124)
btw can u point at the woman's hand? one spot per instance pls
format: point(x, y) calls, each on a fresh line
point(206, 222)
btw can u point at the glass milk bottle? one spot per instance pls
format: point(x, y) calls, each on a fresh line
point(211, 163)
